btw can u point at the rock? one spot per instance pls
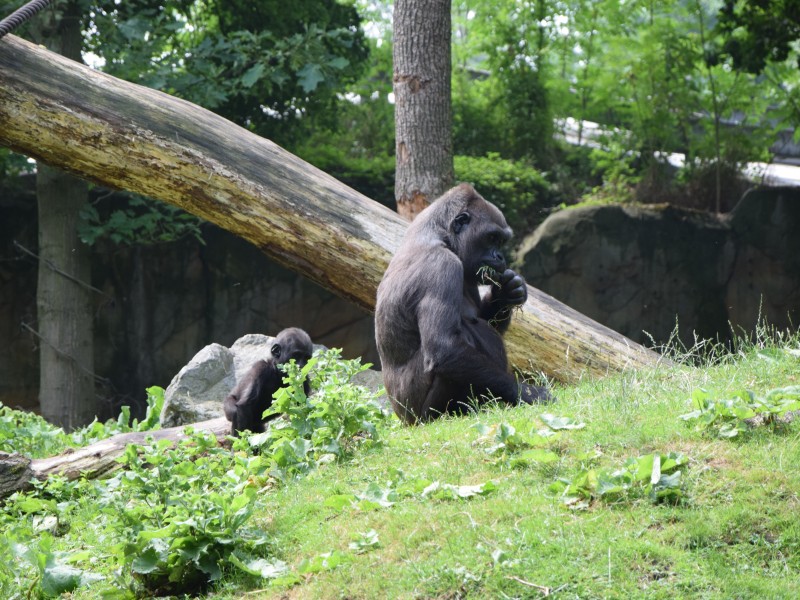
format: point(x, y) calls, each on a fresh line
point(640, 270)
point(197, 391)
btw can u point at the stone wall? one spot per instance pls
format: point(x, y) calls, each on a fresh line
point(641, 269)
point(162, 304)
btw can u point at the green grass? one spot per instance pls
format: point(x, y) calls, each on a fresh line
point(734, 533)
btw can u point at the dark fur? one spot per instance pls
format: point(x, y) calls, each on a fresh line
point(440, 343)
point(246, 404)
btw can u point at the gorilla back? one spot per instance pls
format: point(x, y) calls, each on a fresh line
point(439, 341)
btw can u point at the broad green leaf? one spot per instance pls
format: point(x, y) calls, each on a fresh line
point(309, 77)
point(340, 501)
point(253, 74)
point(146, 562)
point(556, 423)
point(339, 63)
point(59, 578)
point(536, 455)
point(260, 567)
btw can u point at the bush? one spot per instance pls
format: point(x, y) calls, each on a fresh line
point(520, 191)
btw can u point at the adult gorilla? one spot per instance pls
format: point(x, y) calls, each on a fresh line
point(440, 343)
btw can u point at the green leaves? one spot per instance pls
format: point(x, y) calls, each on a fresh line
point(657, 476)
point(339, 417)
point(142, 221)
point(402, 487)
point(733, 416)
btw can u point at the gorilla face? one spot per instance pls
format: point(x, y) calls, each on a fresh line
point(480, 242)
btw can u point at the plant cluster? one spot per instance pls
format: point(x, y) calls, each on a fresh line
point(337, 418)
point(736, 415)
point(657, 476)
point(140, 221)
point(27, 433)
point(175, 519)
point(654, 475)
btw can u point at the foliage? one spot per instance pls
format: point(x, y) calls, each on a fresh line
point(29, 434)
point(516, 188)
point(732, 416)
point(328, 426)
point(140, 221)
point(372, 176)
point(177, 527)
point(401, 487)
point(12, 165)
point(758, 33)
point(658, 476)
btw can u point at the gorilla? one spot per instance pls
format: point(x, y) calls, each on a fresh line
point(246, 404)
point(439, 342)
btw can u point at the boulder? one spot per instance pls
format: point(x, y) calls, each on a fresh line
point(643, 270)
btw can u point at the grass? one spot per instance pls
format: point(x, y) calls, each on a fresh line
point(734, 534)
point(401, 520)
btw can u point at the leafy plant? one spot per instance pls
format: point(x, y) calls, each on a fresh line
point(54, 575)
point(729, 417)
point(510, 449)
point(181, 513)
point(515, 187)
point(324, 427)
point(141, 221)
point(377, 496)
point(656, 475)
point(29, 434)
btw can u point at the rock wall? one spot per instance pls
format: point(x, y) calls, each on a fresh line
point(642, 269)
point(162, 304)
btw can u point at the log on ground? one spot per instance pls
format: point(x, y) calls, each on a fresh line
point(92, 461)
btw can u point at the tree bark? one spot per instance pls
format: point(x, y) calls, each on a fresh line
point(126, 136)
point(92, 461)
point(422, 112)
point(63, 299)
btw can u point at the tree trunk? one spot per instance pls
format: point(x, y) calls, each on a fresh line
point(63, 299)
point(126, 136)
point(422, 112)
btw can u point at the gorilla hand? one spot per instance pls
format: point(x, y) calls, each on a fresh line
point(510, 288)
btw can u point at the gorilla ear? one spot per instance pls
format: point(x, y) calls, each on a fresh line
point(276, 350)
point(460, 222)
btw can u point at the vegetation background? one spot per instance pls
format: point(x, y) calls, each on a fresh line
point(612, 495)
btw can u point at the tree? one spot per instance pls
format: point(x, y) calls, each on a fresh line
point(219, 54)
point(758, 33)
point(63, 295)
point(423, 119)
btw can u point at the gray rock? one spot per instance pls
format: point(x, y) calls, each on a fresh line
point(641, 269)
point(197, 391)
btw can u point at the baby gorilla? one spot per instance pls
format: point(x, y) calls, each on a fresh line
point(439, 341)
point(246, 404)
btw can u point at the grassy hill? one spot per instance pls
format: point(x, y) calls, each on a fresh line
point(608, 493)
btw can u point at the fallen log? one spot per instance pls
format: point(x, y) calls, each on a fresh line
point(126, 136)
point(95, 460)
